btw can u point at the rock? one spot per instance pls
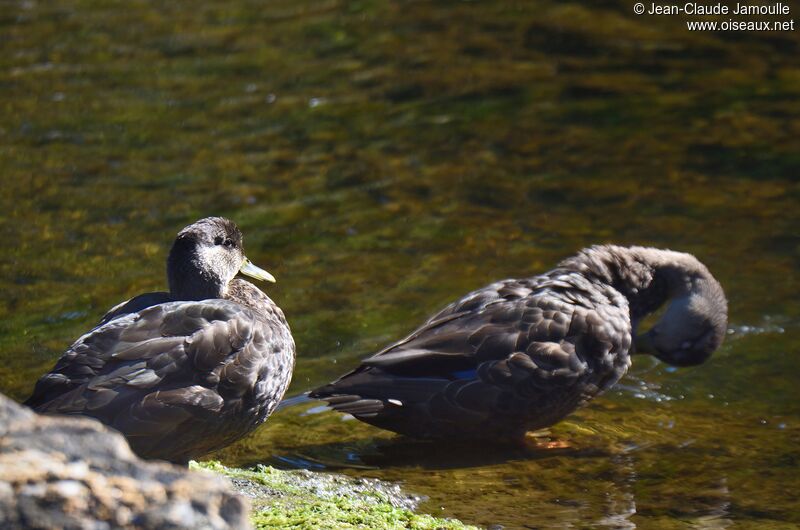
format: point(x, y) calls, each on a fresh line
point(327, 501)
point(75, 473)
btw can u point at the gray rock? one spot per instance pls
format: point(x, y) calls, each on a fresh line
point(75, 473)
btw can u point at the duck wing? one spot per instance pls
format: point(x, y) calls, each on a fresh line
point(151, 374)
point(510, 348)
point(491, 324)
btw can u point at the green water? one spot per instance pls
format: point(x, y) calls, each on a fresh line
point(384, 158)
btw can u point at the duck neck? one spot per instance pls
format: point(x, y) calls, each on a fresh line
point(188, 279)
point(647, 277)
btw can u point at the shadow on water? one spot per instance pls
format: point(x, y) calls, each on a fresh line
point(405, 452)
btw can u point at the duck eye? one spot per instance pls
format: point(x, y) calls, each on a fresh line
point(228, 243)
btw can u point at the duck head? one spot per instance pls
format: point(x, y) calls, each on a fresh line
point(205, 257)
point(692, 327)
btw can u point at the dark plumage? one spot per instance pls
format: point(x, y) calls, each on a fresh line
point(520, 355)
point(187, 372)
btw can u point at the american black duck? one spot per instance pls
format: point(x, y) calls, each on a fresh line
point(520, 355)
point(186, 372)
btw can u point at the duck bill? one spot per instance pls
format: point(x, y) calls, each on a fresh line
point(256, 272)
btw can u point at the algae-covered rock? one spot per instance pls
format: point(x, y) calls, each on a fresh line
point(71, 472)
point(304, 500)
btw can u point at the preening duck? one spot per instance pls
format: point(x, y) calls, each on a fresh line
point(187, 372)
point(521, 354)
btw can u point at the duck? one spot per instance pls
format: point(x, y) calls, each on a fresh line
point(186, 372)
point(519, 355)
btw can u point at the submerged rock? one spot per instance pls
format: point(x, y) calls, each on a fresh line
point(70, 472)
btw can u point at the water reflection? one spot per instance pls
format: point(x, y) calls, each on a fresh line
point(405, 452)
point(580, 474)
point(620, 501)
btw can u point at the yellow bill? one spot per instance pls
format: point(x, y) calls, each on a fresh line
point(256, 272)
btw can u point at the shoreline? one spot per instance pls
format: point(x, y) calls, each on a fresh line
point(301, 499)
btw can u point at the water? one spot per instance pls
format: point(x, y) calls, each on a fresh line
point(386, 158)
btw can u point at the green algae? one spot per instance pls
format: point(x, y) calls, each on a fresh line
point(304, 500)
